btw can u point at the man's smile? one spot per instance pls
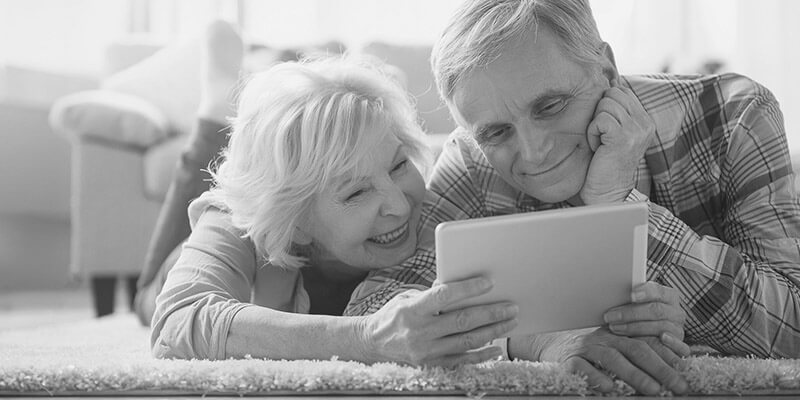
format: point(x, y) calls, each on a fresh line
point(554, 167)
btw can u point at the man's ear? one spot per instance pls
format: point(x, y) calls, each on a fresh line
point(607, 62)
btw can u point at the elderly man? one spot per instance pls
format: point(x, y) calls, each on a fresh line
point(546, 121)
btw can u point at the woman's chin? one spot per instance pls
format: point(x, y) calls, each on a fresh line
point(394, 254)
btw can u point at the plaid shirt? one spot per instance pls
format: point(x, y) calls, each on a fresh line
point(724, 224)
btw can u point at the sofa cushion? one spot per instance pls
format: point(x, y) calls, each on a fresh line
point(169, 79)
point(414, 62)
point(110, 117)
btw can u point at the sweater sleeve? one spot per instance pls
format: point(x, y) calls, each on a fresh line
point(211, 282)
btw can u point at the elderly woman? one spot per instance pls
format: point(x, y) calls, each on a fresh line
point(320, 183)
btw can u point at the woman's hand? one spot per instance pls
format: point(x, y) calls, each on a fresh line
point(655, 311)
point(412, 329)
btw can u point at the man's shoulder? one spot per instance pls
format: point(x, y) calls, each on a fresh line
point(720, 88)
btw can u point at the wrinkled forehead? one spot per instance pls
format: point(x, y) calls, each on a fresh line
point(525, 71)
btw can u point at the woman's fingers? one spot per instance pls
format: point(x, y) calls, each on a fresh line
point(441, 296)
point(469, 318)
point(470, 357)
point(465, 341)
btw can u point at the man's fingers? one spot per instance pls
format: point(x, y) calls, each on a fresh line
point(624, 97)
point(469, 318)
point(652, 311)
point(602, 123)
point(652, 291)
point(596, 379)
point(439, 297)
point(628, 367)
point(652, 364)
point(675, 344)
point(647, 328)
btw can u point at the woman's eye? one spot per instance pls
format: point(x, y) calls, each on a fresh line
point(355, 195)
point(400, 166)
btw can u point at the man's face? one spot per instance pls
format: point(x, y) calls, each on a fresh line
point(528, 111)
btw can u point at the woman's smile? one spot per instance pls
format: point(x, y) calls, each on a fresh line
point(391, 237)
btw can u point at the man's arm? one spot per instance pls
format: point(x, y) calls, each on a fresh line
point(741, 291)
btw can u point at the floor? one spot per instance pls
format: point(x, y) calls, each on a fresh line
point(25, 309)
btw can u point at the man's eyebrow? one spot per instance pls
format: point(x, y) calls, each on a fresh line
point(549, 95)
point(481, 129)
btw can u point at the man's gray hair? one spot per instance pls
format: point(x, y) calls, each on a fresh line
point(480, 30)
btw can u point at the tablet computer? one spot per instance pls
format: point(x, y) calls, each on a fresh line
point(563, 268)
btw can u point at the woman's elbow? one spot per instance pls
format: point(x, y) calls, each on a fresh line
point(172, 336)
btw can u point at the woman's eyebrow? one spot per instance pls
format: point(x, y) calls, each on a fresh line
point(349, 181)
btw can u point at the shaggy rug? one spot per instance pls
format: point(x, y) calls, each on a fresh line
point(109, 356)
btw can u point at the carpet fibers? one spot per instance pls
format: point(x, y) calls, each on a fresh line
point(109, 356)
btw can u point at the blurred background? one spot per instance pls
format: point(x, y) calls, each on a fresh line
point(53, 49)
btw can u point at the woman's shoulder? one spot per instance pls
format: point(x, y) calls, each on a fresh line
point(210, 208)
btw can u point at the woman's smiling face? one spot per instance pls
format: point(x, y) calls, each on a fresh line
point(369, 221)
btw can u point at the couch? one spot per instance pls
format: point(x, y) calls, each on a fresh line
point(34, 217)
point(126, 136)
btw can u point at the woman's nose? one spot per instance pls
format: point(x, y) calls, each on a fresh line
point(395, 201)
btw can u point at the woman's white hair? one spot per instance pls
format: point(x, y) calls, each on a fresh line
point(298, 125)
point(480, 30)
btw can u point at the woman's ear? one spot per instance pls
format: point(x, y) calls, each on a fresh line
point(607, 62)
point(301, 237)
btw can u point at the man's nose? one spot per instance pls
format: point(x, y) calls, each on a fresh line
point(533, 143)
point(394, 201)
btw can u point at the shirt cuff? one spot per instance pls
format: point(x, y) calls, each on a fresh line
point(502, 343)
point(635, 196)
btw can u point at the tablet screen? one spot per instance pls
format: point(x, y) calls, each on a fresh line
point(563, 268)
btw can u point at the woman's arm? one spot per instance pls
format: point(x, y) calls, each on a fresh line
point(204, 311)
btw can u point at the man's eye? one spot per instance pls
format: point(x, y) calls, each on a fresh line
point(554, 107)
point(494, 135)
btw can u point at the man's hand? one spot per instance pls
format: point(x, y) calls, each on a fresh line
point(619, 135)
point(646, 365)
point(655, 311)
point(411, 328)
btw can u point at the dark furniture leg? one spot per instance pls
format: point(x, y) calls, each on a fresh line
point(131, 280)
point(103, 294)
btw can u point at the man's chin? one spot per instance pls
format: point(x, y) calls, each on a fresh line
point(554, 194)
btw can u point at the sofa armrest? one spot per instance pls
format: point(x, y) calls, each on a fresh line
point(110, 117)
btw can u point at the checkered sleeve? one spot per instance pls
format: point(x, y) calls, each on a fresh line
point(741, 289)
point(452, 195)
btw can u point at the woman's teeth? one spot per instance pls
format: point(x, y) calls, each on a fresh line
point(387, 238)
